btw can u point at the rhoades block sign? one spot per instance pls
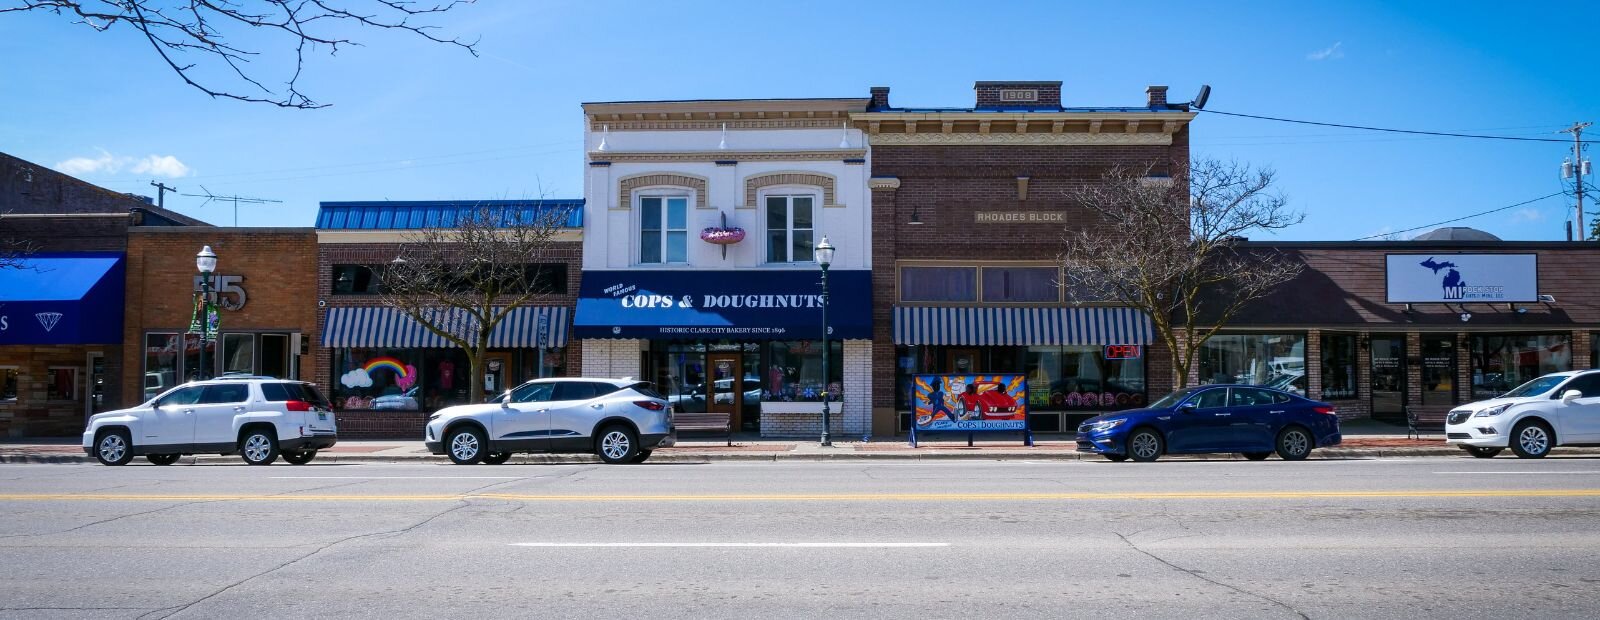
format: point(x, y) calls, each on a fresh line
point(976, 402)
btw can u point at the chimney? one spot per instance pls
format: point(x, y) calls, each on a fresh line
point(1158, 96)
point(880, 98)
point(1027, 95)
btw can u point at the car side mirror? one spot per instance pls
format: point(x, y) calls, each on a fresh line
point(505, 400)
point(1571, 395)
point(1186, 409)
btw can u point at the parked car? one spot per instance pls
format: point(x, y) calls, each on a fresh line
point(1248, 419)
point(620, 420)
point(1558, 409)
point(258, 418)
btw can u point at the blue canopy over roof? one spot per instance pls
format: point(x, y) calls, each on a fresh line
point(64, 298)
point(418, 214)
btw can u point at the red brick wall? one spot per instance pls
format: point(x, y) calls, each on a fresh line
point(278, 266)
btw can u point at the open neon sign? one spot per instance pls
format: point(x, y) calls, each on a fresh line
point(1122, 351)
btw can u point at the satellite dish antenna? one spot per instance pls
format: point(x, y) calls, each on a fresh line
point(1200, 98)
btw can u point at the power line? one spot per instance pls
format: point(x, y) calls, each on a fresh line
point(1388, 129)
point(1466, 217)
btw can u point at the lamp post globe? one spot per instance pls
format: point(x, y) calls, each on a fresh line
point(206, 262)
point(824, 254)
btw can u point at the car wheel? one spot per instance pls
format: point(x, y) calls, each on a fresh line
point(299, 458)
point(259, 448)
point(617, 445)
point(1483, 453)
point(1294, 444)
point(466, 446)
point(113, 448)
point(642, 456)
point(1530, 439)
point(1257, 456)
point(1115, 458)
point(498, 458)
point(162, 459)
point(1145, 445)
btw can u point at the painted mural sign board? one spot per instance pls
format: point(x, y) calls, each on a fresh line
point(970, 403)
point(1462, 278)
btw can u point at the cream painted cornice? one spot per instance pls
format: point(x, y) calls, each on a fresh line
point(1039, 117)
point(1144, 139)
point(344, 237)
point(714, 156)
point(730, 110)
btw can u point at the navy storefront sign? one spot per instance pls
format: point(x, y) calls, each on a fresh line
point(746, 305)
point(63, 299)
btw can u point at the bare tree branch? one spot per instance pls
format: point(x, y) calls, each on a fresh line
point(14, 251)
point(192, 36)
point(460, 282)
point(1170, 248)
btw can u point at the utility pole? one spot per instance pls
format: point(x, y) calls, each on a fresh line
point(161, 193)
point(1582, 169)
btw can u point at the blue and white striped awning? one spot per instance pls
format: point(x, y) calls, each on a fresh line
point(525, 327)
point(1020, 326)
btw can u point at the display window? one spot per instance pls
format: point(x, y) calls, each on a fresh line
point(1059, 378)
point(1277, 361)
point(1501, 362)
point(377, 379)
point(1338, 366)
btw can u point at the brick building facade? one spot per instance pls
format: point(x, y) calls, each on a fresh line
point(263, 284)
point(961, 192)
point(353, 244)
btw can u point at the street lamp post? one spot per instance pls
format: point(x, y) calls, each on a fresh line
point(825, 258)
point(206, 262)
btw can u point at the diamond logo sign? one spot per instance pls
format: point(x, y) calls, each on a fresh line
point(48, 320)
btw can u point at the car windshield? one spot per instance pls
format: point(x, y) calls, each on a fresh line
point(1535, 387)
point(1172, 400)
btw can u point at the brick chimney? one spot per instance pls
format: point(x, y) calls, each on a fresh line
point(880, 98)
point(1034, 95)
point(1157, 95)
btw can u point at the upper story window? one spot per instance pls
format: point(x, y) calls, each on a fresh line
point(990, 284)
point(790, 228)
point(664, 229)
point(355, 280)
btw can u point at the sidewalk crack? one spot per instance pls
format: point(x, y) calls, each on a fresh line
point(1202, 577)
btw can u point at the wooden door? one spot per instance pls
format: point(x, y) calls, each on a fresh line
point(724, 385)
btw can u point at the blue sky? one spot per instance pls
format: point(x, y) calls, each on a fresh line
point(412, 120)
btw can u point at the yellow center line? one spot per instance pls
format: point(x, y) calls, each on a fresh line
point(816, 497)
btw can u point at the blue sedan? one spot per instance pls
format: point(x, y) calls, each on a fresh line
point(1249, 419)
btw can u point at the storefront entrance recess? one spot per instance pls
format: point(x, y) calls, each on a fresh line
point(1389, 378)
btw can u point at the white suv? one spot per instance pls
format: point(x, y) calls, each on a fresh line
point(258, 418)
point(1559, 409)
point(621, 420)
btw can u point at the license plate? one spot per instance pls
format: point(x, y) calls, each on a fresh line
point(322, 415)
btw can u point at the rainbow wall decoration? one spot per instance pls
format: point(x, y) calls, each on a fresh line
point(405, 375)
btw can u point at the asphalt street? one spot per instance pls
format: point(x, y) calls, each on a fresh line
point(1380, 538)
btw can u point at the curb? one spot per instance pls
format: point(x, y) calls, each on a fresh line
point(931, 454)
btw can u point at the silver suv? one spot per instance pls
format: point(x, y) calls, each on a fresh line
point(620, 420)
point(258, 418)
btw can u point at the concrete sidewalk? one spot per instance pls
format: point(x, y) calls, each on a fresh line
point(699, 450)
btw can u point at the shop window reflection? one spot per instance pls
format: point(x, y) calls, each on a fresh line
point(1338, 366)
point(1502, 362)
point(1276, 361)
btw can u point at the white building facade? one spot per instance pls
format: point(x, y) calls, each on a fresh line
point(699, 270)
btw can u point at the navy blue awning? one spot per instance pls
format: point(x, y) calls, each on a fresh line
point(63, 299)
point(740, 305)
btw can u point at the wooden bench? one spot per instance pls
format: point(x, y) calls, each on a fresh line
point(712, 421)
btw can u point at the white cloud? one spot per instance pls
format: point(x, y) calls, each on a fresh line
point(161, 166)
point(356, 378)
point(1333, 52)
point(167, 166)
point(1526, 215)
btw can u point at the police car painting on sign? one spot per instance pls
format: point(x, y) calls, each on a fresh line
point(970, 402)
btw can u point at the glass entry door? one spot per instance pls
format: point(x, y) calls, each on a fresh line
point(1389, 378)
point(726, 385)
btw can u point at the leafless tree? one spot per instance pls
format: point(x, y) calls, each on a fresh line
point(1169, 247)
point(462, 281)
point(13, 250)
point(209, 43)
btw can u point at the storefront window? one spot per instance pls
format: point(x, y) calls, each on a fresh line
point(1502, 362)
point(794, 371)
point(8, 385)
point(934, 284)
point(63, 384)
point(378, 379)
point(191, 357)
point(160, 363)
point(1277, 361)
point(1059, 378)
point(239, 353)
point(1020, 285)
point(1338, 366)
point(1438, 370)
